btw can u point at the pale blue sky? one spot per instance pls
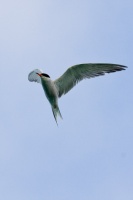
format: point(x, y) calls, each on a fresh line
point(90, 154)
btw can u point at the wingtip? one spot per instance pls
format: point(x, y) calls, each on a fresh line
point(122, 66)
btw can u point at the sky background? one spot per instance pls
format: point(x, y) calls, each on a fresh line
point(90, 154)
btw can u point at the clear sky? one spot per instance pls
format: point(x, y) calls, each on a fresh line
point(90, 154)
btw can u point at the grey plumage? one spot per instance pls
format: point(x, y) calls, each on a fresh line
point(79, 72)
point(73, 75)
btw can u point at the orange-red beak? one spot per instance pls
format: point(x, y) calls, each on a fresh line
point(39, 74)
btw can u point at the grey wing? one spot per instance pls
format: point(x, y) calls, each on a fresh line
point(34, 77)
point(79, 72)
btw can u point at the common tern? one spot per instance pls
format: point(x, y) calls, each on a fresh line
point(55, 89)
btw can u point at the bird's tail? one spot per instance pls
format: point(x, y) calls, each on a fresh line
point(56, 113)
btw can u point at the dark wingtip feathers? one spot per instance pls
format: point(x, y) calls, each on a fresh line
point(117, 68)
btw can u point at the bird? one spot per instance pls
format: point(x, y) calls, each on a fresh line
point(54, 89)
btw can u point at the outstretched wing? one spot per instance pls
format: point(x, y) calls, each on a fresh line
point(34, 77)
point(79, 72)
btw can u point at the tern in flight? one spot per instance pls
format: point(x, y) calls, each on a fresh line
point(55, 89)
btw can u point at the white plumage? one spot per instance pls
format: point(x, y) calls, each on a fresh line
point(34, 77)
point(74, 74)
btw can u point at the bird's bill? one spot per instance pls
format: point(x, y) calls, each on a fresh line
point(39, 74)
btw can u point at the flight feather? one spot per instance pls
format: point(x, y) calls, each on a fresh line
point(79, 72)
point(34, 77)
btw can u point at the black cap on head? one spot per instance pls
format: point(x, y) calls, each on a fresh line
point(46, 75)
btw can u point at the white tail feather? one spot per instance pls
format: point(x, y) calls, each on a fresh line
point(56, 113)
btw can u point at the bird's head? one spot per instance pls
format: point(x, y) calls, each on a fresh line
point(43, 75)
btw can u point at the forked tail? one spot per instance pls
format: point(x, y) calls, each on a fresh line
point(56, 113)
